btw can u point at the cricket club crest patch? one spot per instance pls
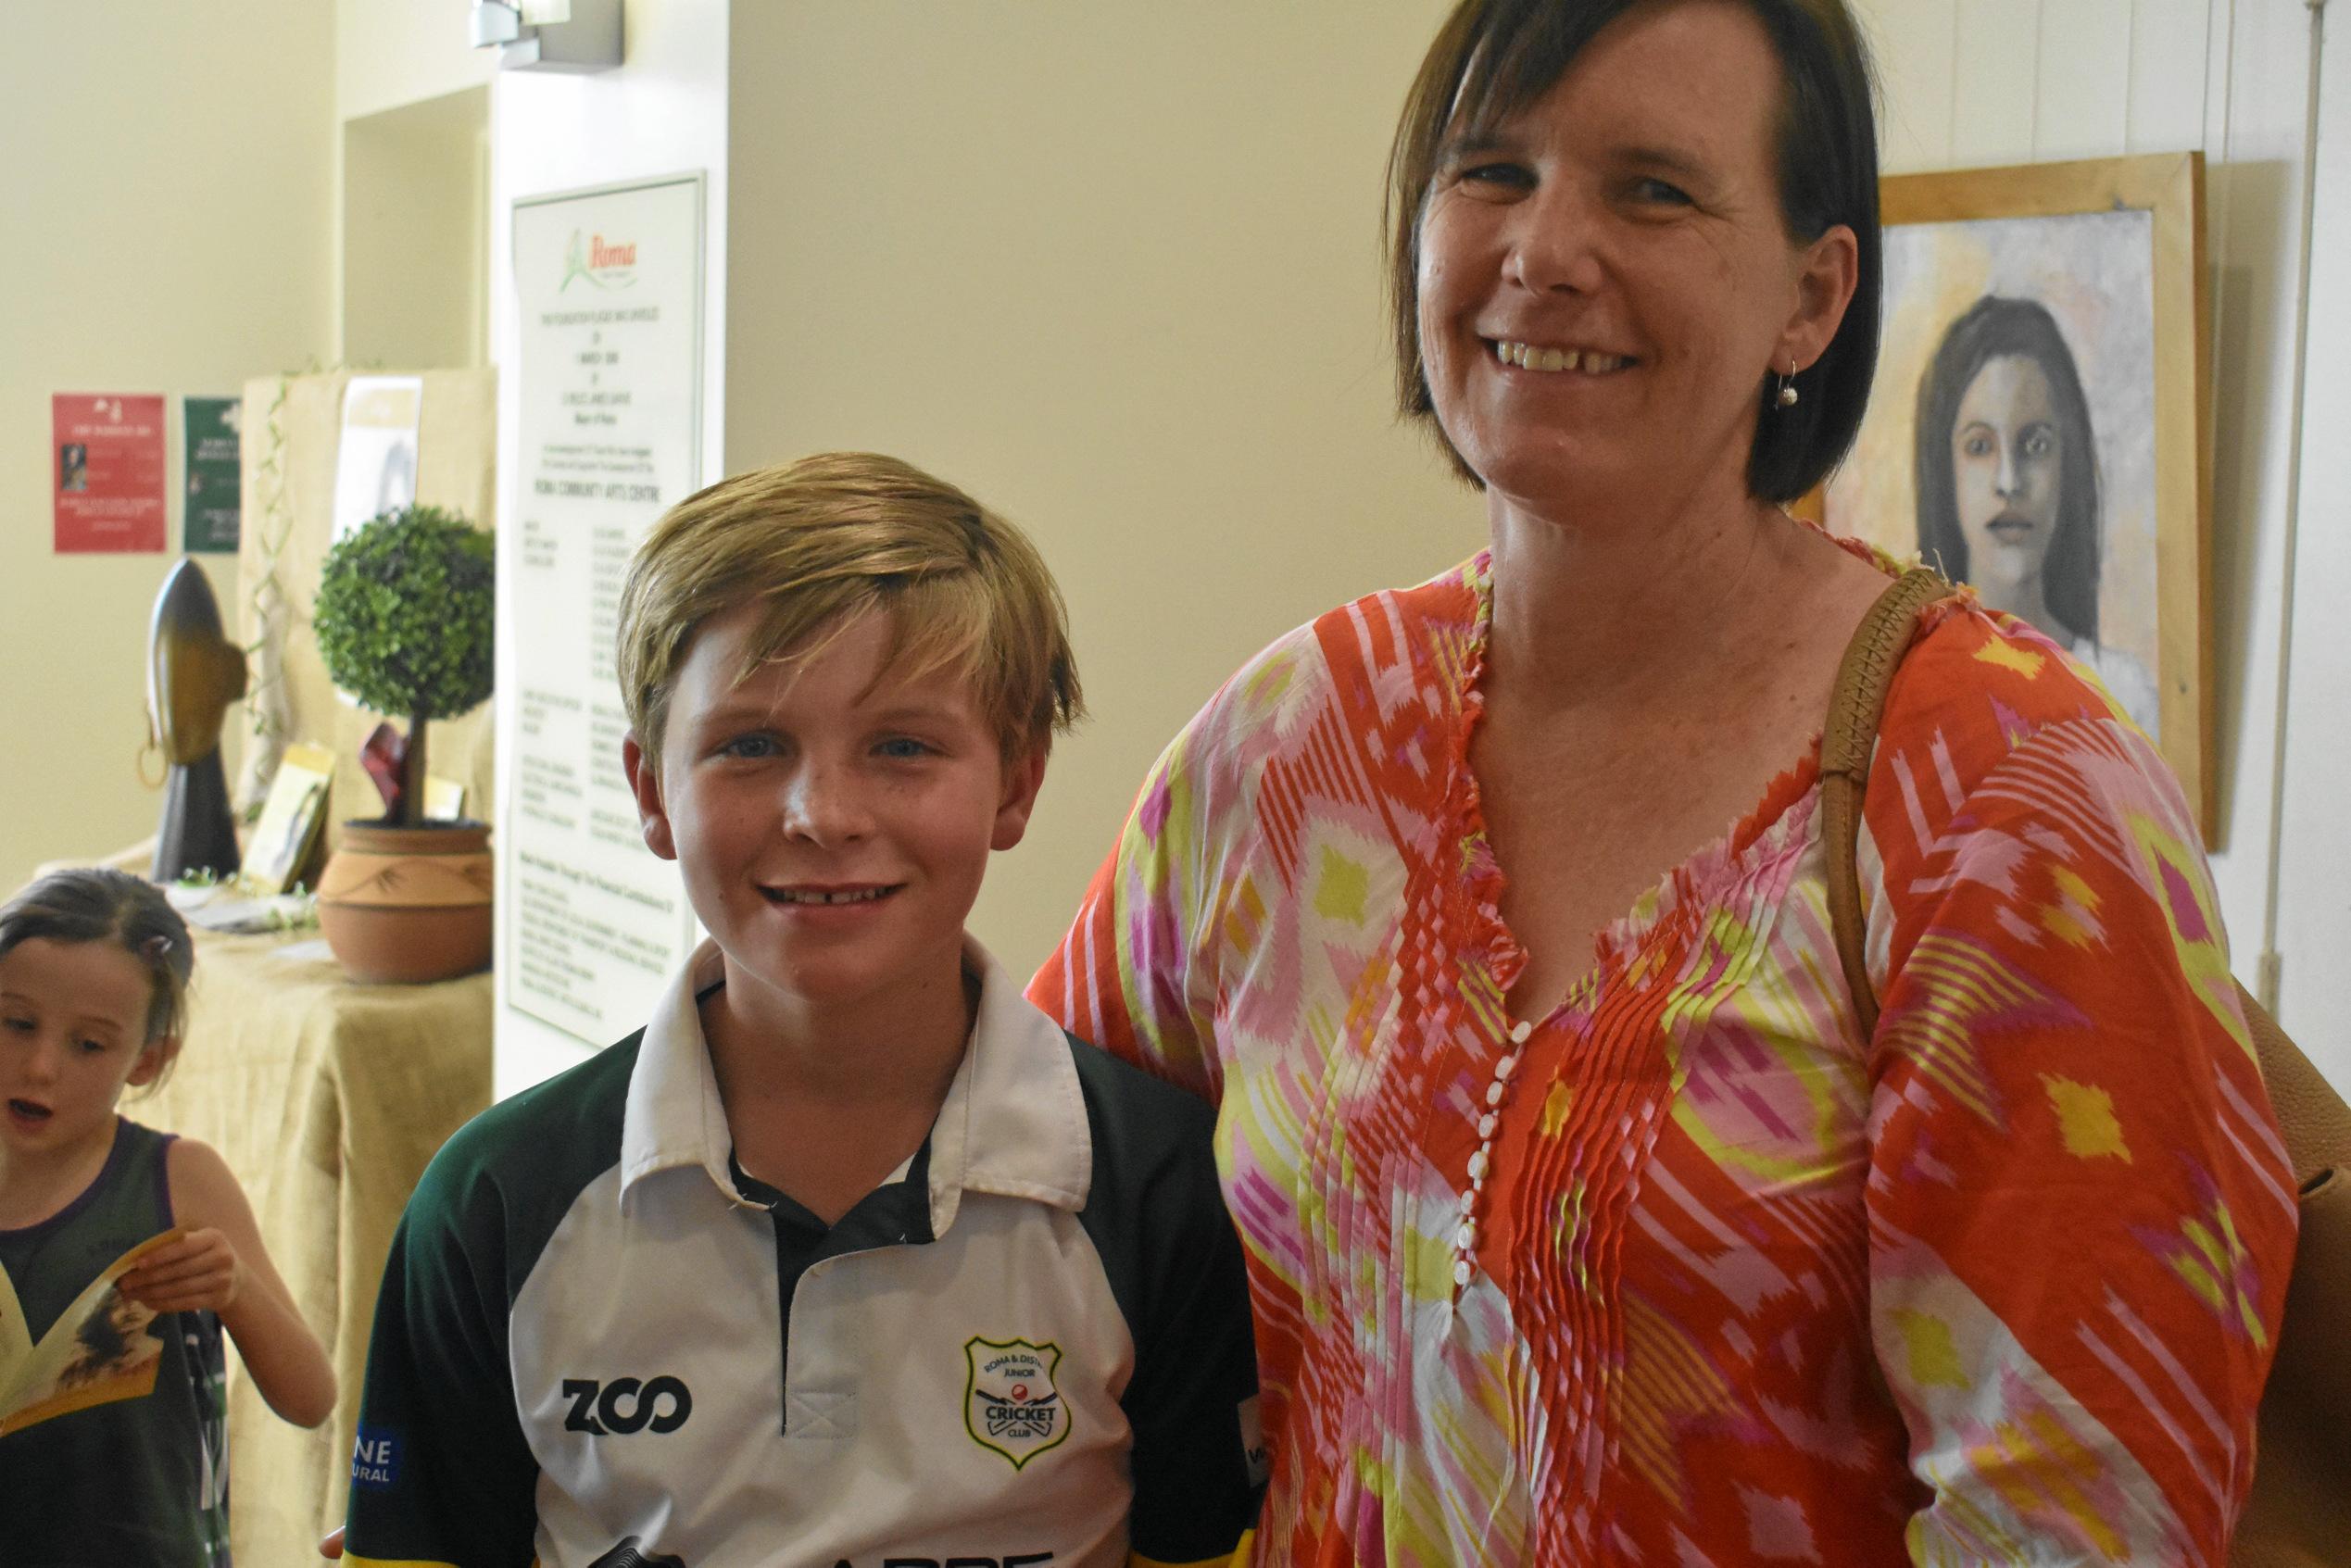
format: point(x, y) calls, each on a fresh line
point(1010, 1402)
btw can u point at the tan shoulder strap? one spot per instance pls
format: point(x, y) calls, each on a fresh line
point(2312, 1117)
point(1847, 745)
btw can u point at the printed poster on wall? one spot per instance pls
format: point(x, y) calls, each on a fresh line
point(211, 518)
point(608, 284)
point(108, 479)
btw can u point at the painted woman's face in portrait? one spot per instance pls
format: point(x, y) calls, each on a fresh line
point(2006, 454)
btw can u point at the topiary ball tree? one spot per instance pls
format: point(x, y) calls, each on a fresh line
point(405, 619)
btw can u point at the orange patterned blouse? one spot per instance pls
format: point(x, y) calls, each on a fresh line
point(1688, 1272)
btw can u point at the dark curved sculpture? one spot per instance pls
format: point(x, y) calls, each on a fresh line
point(194, 672)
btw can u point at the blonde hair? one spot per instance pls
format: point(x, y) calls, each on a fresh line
point(820, 542)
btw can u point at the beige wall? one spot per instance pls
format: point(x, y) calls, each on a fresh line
point(415, 201)
point(409, 250)
point(1113, 267)
point(167, 191)
point(389, 53)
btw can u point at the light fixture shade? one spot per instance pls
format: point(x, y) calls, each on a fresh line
point(493, 22)
point(566, 35)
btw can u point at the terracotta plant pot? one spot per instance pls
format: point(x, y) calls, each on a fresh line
point(409, 904)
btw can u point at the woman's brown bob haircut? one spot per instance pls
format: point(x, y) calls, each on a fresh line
point(1495, 58)
point(821, 541)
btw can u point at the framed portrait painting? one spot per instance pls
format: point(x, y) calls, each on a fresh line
point(2038, 426)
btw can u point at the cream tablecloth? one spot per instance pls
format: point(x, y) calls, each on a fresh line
point(327, 1099)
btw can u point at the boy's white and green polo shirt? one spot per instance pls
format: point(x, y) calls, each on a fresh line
point(1032, 1347)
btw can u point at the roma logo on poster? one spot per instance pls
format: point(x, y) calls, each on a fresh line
point(108, 483)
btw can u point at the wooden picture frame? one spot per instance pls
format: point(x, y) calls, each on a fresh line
point(2002, 286)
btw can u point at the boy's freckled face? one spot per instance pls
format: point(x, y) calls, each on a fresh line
point(832, 822)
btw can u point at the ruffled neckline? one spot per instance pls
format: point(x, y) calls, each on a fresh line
point(1783, 817)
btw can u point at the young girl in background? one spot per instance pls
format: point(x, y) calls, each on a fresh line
point(118, 1458)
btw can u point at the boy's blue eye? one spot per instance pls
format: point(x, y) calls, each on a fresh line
point(749, 745)
point(903, 747)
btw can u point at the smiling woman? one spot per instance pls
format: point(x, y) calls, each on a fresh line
point(1745, 156)
point(1587, 1220)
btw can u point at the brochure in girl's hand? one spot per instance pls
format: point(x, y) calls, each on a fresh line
point(100, 1350)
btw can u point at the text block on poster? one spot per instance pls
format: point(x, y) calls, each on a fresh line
point(212, 520)
point(609, 378)
point(107, 447)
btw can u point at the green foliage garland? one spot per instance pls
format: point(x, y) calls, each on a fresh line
point(405, 613)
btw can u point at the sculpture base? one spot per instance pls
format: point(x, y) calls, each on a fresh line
point(197, 832)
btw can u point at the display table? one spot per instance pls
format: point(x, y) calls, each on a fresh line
point(326, 1098)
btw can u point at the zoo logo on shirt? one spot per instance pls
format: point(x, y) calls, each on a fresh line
point(626, 1405)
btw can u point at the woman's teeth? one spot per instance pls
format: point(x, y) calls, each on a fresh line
point(798, 896)
point(1526, 356)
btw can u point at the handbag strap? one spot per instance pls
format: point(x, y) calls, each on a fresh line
point(1847, 746)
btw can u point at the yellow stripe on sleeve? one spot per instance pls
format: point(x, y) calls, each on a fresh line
point(1238, 1559)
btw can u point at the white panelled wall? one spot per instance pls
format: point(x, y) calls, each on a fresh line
point(2314, 905)
point(1976, 82)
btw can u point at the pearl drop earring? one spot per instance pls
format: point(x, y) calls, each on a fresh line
point(1789, 396)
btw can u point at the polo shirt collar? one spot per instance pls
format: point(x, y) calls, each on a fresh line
point(1014, 1121)
point(674, 1117)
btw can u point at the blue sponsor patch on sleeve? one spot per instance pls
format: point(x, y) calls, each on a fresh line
point(376, 1458)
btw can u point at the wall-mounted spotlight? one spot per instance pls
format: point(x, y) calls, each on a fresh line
point(573, 36)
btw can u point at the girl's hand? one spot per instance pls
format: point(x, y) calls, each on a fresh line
point(222, 1263)
point(198, 1272)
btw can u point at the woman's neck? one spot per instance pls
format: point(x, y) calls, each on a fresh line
point(1597, 608)
point(35, 1187)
